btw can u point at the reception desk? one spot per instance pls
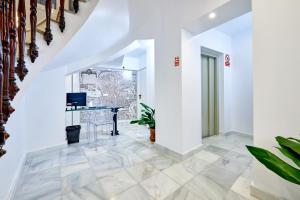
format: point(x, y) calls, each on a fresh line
point(113, 109)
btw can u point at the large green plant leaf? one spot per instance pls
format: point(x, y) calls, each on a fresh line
point(294, 139)
point(290, 154)
point(148, 108)
point(290, 144)
point(134, 121)
point(275, 164)
point(147, 117)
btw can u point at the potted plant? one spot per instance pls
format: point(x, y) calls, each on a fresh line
point(290, 148)
point(147, 118)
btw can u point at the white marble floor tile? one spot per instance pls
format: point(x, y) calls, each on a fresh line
point(90, 152)
point(105, 164)
point(240, 158)
point(43, 162)
point(73, 158)
point(221, 176)
point(206, 188)
point(216, 150)
point(160, 186)
point(77, 180)
point(112, 185)
point(70, 169)
point(147, 153)
point(233, 196)
point(207, 156)
point(129, 167)
point(34, 182)
point(183, 194)
point(130, 159)
point(77, 196)
point(180, 173)
point(161, 162)
point(142, 171)
point(242, 187)
point(231, 165)
point(195, 164)
point(50, 193)
point(134, 193)
point(91, 191)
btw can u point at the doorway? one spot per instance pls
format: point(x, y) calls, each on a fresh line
point(210, 114)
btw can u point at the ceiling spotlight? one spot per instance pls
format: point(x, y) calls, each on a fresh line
point(212, 15)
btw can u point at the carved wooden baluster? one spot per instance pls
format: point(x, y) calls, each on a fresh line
point(3, 134)
point(76, 5)
point(48, 35)
point(21, 66)
point(62, 23)
point(2, 152)
point(7, 109)
point(33, 49)
point(13, 88)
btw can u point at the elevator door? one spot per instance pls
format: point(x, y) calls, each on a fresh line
point(209, 96)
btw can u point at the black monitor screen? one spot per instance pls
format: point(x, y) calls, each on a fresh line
point(76, 99)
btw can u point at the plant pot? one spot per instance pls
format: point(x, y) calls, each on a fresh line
point(152, 135)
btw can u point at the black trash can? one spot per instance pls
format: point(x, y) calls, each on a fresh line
point(73, 133)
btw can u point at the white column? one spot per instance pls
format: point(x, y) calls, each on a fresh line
point(276, 84)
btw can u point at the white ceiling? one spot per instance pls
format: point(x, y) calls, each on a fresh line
point(236, 25)
point(137, 52)
point(130, 57)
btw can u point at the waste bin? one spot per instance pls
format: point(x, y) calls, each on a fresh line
point(73, 133)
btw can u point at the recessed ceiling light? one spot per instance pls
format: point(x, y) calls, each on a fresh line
point(212, 15)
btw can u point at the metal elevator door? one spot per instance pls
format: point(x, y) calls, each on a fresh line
point(209, 96)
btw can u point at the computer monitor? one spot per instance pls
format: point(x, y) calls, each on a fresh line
point(76, 99)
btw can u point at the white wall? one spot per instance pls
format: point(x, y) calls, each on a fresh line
point(11, 164)
point(141, 89)
point(235, 83)
point(242, 82)
point(150, 71)
point(172, 129)
point(45, 110)
point(276, 84)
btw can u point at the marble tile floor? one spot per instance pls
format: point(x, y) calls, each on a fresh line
point(128, 167)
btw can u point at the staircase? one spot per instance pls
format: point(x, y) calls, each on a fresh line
point(19, 40)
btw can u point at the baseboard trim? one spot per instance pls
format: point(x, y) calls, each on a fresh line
point(243, 133)
point(176, 155)
point(14, 183)
point(261, 194)
point(193, 150)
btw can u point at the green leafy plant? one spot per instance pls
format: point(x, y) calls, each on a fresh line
point(290, 148)
point(147, 117)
